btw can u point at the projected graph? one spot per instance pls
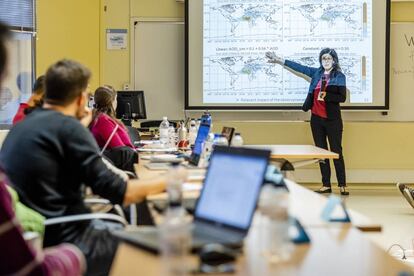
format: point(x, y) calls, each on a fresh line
point(247, 20)
point(340, 20)
point(236, 35)
point(246, 78)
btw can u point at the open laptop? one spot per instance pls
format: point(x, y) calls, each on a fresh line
point(202, 134)
point(225, 208)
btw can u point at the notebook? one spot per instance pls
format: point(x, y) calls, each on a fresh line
point(225, 208)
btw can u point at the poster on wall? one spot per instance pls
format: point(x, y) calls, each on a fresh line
point(116, 39)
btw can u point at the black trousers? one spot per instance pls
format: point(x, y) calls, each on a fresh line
point(331, 130)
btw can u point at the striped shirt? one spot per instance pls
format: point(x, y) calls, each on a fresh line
point(19, 258)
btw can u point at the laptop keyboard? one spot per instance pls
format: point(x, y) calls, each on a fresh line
point(216, 234)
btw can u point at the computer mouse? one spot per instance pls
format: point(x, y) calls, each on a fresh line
point(216, 254)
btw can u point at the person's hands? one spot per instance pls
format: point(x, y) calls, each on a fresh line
point(273, 58)
point(86, 117)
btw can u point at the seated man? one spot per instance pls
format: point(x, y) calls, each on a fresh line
point(16, 256)
point(50, 155)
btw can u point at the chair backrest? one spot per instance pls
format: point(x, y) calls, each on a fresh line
point(156, 123)
point(133, 134)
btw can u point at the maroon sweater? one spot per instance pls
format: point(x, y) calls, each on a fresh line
point(17, 257)
point(102, 128)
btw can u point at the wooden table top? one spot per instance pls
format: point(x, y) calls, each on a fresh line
point(335, 248)
point(333, 251)
point(297, 152)
point(305, 205)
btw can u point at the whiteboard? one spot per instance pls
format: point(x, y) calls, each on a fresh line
point(159, 62)
point(402, 72)
point(158, 66)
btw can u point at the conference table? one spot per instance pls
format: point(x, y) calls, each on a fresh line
point(335, 248)
point(333, 251)
point(290, 157)
point(297, 152)
point(305, 205)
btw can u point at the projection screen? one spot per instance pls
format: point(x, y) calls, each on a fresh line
point(226, 42)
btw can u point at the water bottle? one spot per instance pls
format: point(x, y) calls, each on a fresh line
point(237, 140)
point(164, 126)
point(182, 132)
point(208, 116)
point(175, 179)
point(220, 140)
point(175, 238)
point(192, 133)
point(273, 206)
point(172, 137)
point(175, 230)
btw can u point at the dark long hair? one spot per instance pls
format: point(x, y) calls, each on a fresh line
point(103, 97)
point(334, 55)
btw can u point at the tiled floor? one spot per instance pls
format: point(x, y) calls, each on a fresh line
point(386, 205)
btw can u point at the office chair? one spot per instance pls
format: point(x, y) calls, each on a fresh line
point(133, 134)
point(155, 123)
point(84, 217)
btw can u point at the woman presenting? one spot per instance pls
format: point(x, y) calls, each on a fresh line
point(327, 89)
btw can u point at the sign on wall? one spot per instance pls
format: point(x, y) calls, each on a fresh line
point(116, 39)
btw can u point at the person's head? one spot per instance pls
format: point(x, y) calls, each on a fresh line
point(4, 37)
point(66, 83)
point(328, 60)
point(105, 100)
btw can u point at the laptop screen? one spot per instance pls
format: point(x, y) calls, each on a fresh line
point(201, 137)
point(232, 186)
point(202, 134)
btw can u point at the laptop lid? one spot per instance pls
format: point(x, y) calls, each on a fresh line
point(202, 134)
point(232, 186)
point(228, 133)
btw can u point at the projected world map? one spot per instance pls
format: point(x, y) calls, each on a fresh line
point(247, 20)
point(238, 33)
point(342, 20)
